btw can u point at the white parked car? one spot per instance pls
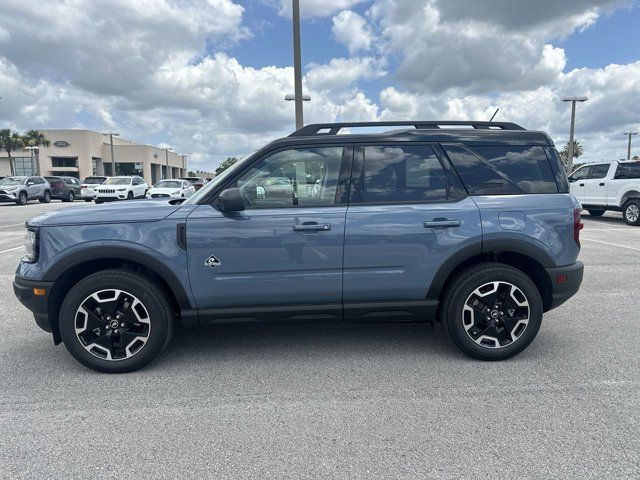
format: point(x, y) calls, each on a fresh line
point(171, 189)
point(120, 188)
point(609, 186)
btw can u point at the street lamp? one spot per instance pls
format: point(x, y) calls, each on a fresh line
point(630, 134)
point(573, 101)
point(113, 161)
point(31, 149)
point(297, 64)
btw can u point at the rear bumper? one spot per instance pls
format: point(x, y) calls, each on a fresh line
point(23, 289)
point(565, 281)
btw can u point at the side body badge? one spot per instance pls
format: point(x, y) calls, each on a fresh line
point(212, 261)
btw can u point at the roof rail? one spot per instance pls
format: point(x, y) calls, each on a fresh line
point(334, 128)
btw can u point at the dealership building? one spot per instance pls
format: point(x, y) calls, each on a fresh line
point(82, 153)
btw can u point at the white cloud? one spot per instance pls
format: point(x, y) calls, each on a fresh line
point(351, 30)
point(341, 73)
point(315, 8)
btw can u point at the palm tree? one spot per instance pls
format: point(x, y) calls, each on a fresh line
point(34, 138)
point(577, 152)
point(10, 142)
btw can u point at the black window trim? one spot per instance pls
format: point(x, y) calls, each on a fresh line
point(592, 169)
point(451, 179)
point(346, 165)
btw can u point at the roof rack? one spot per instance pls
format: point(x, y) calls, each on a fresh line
point(334, 128)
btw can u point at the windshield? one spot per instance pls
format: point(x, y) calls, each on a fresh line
point(168, 184)
point(117, 181)
point(213, 183)
point(93, 180)
point(12, 181)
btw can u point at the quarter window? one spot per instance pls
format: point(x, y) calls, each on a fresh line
point(299, 177)
point(403, 174)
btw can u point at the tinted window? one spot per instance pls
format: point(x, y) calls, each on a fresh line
point(598, 171)
point(294, 177)
point(526, 166)
point(480, 177)
point(503, 169)
point(628, 170)
point(403, 173)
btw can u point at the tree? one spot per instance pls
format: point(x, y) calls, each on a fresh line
point(577, 152)
point(34, 138)
point(10, 142)
point(226, 164)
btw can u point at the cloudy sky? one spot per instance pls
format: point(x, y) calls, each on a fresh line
point(209, 77)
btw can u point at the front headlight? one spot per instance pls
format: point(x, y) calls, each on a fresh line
point(121, 189)
point(31, 244)
point(177, 192)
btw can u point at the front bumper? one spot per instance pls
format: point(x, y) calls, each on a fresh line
point(111, 198)
point(565, 282)
point(24, 290)
point(7, 197)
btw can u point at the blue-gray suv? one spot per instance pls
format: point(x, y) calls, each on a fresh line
point(470, 224)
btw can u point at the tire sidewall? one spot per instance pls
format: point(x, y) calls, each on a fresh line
point(22, 198)
point(135, 284)
point(466, 284)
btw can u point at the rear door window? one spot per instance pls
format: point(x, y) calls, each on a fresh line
point(598, 171)
point(503, 169)
point(403, 174)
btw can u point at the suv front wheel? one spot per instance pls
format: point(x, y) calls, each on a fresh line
point(115, 321)
point(492, 311)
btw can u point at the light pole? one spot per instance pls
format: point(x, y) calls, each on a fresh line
point(113, 160)
point(297, 64)
point(31, 149)
point(573, 101)
point(629, 134)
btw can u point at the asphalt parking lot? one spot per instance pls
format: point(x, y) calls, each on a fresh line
point(336, 401)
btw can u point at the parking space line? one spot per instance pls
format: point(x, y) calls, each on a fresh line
point(11, 249)
point(610, 244)
point(14, 225)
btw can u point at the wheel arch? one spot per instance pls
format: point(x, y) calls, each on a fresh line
point(69, 271)
point(629, 195)
point(530, 264)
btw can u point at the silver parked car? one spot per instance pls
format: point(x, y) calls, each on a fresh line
point(21, 189)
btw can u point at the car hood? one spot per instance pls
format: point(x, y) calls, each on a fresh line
point(117, 212)
point(164, 190)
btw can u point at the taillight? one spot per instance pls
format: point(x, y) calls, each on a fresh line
point(577, 225)
point(84, 185)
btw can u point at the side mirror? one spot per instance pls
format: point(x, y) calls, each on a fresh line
point(571, 179)
point(30, 183)
point(231, 200)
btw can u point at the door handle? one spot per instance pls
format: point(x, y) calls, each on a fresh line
point(581, 184)
point(602, 184)
point(442, 223)
point(312, 227)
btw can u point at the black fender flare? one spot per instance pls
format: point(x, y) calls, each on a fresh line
point(99, 252)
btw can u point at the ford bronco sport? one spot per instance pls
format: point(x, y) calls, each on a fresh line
point(471, 227)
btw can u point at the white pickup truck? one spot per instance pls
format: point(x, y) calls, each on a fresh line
point(609, 186)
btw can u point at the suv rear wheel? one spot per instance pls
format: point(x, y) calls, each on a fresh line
point(115, 321)
point(46, 197)
point(631, 212)
point(492, 311)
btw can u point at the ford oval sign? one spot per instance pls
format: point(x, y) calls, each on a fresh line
point(61, 143)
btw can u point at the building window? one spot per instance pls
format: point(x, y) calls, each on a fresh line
point(24, 166)
point(63, 162)
point(129, 169)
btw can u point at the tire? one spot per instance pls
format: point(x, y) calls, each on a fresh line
point(70, 198)
point(631, 212)
point(46, 198)
point(466, 321)
point(130, 195)
point(596, 213)
point(22, 198)
point(98, 202)
point(97, 341)
point(87, 200)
